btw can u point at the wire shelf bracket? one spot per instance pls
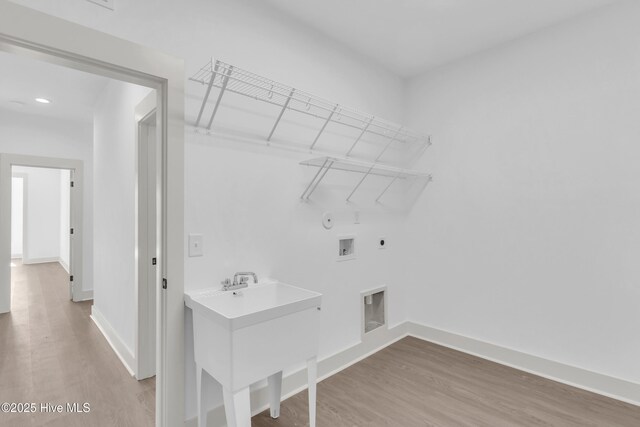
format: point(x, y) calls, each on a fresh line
point(324, 164)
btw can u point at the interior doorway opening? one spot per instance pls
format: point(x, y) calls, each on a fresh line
point(41, 225)
point(43, 205)
point(56, 41)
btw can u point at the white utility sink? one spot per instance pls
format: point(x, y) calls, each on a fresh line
point(243, 336)
point(257, 303)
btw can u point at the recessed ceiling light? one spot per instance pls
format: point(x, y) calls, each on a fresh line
point(43, 100)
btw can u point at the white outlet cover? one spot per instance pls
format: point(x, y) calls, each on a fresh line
point(109, 4)
point(382, 243)
point(195, 245)
point(327, 220)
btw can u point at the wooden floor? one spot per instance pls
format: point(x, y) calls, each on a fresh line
point(51, 352)
point(416, 383)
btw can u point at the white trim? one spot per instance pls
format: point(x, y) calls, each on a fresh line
point(26, 261)
point(595, 382)
point(64, 265)
point(85, 295)
point(119, 347)
point(295, 382)
point(147, 231)
point(25, 195)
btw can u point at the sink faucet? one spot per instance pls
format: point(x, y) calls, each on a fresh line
point(243, 283)
point(244, 278)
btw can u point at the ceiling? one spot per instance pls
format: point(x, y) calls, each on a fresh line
point(73, 93)
point(411, 36)
point(405, 36)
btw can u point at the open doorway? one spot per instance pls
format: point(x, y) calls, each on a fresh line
point(132, 64)
point(41, 225)
point(46, 213)
point(91, 118)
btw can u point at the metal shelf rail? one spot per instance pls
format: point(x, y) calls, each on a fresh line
point(324, 164)
point(228, 78)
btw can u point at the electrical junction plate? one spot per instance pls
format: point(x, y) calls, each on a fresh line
point(327, 220)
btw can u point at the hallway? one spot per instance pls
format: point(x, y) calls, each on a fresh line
point(51, 352)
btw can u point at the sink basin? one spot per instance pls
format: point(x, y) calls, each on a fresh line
point(254, 304)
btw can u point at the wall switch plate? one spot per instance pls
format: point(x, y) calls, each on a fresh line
point(356, 217)
point(195, 245)
point(109, 4)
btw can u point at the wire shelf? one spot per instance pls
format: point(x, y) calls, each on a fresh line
point(228, 78)
point(324, 164)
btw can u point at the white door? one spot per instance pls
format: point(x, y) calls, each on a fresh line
point(148, 211)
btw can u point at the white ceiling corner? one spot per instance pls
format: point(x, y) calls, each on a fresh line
point(411, 36)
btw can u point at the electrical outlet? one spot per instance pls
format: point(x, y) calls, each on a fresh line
point(382, 242)
point(195, 245)
point(109, 4)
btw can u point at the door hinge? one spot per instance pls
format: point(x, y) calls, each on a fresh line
point(72, 183)
point(154, 261)
point(72, 231)
point(71, 278)
point(164, 283)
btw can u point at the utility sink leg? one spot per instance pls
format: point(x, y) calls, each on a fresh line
point(312, 377)
point(237, 407)
point(275, 392)
point(202, 411)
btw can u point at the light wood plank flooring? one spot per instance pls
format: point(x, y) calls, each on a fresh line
point(416, 383)
point(51, 351)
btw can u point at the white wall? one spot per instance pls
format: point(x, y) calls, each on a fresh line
point(17, 200)
point(529, 236)
point(42, 214)
point(114, 207)
point(65, 217)
point(41, 136)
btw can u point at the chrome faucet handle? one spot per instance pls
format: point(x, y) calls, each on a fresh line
point(226, 283)
point(243, 278)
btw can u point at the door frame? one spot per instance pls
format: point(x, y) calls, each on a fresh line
point(147, 281)
point(25, 181)
point(28, 32)
point(7, 162)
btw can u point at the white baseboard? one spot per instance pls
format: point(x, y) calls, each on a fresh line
point(39, 260)
point(295, 382)
point(602, 384)
point(63, 264)
point(119, 347)
point(83, 296)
